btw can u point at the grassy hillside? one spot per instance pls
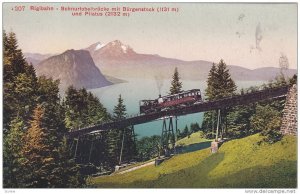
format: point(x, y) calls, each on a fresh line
point(239, 163)
point(196, 137)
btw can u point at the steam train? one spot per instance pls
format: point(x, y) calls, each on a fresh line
point(182, 99)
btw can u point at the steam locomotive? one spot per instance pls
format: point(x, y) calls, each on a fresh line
point(182, 99)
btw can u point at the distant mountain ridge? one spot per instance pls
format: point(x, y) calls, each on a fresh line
point(73, 67)
point(121, 61)
point(35, 58)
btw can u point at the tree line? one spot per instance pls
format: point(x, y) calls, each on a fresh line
point(262, 117)
point(36, 152)
point(34, 148)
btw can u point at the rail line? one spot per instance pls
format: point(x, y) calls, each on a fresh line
point(247, 98)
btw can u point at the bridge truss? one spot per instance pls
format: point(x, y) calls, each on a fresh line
point(168, 136)
point(247, 98)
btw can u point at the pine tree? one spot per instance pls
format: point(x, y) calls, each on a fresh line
point(7, 66)
point(9, 104)
point(12, 157)
point(96, 111)
point(148, 147)
point(48, 90)
point(129, 150)
point(19, 82)
point(15, 55)
point(239, 121)
point(219, 82)
point(49, 132)
point(66, 171)
point(119, 110)
point(82, 109)
point(224, 85)
point(115, 138)
point(113, 147)
point(25, 95)
point(72, 115)
point(176, 85)
point(185, 131)
point(194, 127)
point(210, 91)
point(46, 159)
point(129, 147)
point(267, 121)
point(39, 153)
point(219, 85)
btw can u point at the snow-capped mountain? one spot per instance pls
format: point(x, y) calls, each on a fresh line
point(120, 60)
point(111, 50)
point(99, 46)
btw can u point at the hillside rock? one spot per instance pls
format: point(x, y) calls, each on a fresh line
point(73, 67)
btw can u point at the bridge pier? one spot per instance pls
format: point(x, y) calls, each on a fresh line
point(76, 148)
point(220, 130)
point(121, 152)
point(167, 136)
point(133, 134)
point(176, 129)
point(218, 124)
point(91, 149)
point(131, 128)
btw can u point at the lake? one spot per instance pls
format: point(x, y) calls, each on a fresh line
point(135, 90)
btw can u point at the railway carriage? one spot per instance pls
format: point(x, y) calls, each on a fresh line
point(182, 99)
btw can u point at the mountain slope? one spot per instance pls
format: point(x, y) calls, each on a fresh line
point(73, 67)
point(240, 163)
point(35, 58)
point(268, 72)
point(120, 60)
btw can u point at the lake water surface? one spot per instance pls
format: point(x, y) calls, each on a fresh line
point(140, 89)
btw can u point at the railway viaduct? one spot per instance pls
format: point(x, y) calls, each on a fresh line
point(244, 99)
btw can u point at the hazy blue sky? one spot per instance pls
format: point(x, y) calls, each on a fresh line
point(249, 35)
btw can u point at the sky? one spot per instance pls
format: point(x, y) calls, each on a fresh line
point(248, 35)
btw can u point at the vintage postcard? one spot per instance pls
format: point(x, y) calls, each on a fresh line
point(150, 95)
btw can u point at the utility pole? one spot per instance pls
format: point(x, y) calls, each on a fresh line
point(122, 147)
point(217, 133)
point(91, 149)
point(176, 129)
point(76, 148)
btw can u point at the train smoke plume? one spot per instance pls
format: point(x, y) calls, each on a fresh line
point(159, 79)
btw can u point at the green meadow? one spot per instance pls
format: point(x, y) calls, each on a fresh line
point(240, 163)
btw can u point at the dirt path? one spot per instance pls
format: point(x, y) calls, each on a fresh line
point(137, 167)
